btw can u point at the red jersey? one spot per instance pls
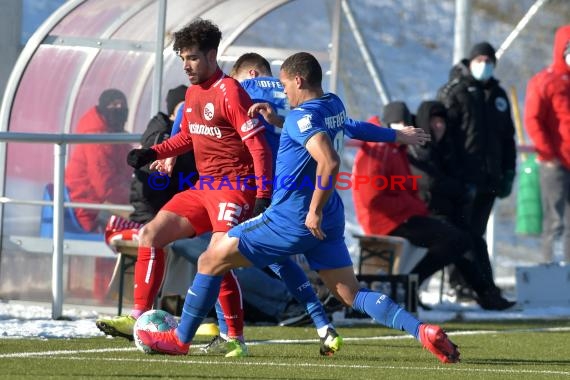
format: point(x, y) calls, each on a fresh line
point(215, 125)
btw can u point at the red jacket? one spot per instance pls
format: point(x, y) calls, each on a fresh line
point(547, 105)
point(379, 212)
point(97, 173)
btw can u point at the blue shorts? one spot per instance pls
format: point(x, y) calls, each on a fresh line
point(263, 242)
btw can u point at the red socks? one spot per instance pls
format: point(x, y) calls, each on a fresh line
point(149, 271)
point(232, 305)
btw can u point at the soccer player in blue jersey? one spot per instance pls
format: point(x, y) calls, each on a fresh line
point(301, 218)
point(253, 72)
point(255, 76)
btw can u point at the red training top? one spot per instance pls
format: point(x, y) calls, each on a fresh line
point(379, 212)
point(547, 105)
point(97, 173)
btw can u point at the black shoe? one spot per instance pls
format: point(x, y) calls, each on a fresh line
point(493, 300)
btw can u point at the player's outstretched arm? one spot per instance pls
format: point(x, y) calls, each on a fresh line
point(268, 113)
point(263, 167)
point(412, 136)
point(365, 131)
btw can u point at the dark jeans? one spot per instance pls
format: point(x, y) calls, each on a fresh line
point(555, 194)
point(446, 244)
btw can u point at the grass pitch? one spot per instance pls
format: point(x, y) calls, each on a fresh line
point(489, 350)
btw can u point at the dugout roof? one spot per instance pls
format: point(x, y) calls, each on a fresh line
point(87, 46)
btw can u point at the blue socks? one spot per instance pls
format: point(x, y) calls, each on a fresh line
point(200, 299)
point(385, 311)
point(299, 286)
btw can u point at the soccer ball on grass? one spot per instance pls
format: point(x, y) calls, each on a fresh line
point(152, 320)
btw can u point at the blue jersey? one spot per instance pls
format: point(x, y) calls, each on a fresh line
point(177, 121)
point(280, 231)
point(269, 90)
point(296, 170)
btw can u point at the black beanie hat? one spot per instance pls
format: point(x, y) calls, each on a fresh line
point(438, 109)
point(397, 112)
point(483, 48)
point(110, 95)
point(175, 96)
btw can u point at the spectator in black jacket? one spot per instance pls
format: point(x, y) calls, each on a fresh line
point(482, 129)
point(149, 192)
point(447, 196)
point(441, 185)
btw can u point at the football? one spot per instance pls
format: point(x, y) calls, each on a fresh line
point(153, 320)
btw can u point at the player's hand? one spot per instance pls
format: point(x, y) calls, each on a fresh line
point(164, 166)
point(169, 165)
point(261, 204)
point(137, 158)
point(412, 136)
point(268, 113)
point(313, 223)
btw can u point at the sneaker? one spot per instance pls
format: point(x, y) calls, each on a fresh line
point(436, 341)
point(331, 343)
point(121, 326)
point(164, 342)
point(217, 345)
point(236, 349)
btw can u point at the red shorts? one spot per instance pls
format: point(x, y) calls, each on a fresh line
point(212, 210)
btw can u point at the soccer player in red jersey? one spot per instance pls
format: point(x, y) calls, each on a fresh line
point(229, 147)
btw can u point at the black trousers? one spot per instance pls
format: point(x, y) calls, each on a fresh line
point(446, 244)
point(480, 211)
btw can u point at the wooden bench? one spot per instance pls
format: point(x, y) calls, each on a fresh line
point(389, 260)
point(128, 252)
point(175, 280)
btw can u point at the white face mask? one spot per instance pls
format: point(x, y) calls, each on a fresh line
point(567, 59)
point(481, 70)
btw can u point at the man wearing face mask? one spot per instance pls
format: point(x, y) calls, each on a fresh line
point(547, 121)
point(97, 173)
point(482, 129)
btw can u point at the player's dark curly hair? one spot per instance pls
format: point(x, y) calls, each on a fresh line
point(304, 65)
point(202, 33)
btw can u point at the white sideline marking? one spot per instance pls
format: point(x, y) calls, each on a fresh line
point(325, 365)
point(64, 353)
